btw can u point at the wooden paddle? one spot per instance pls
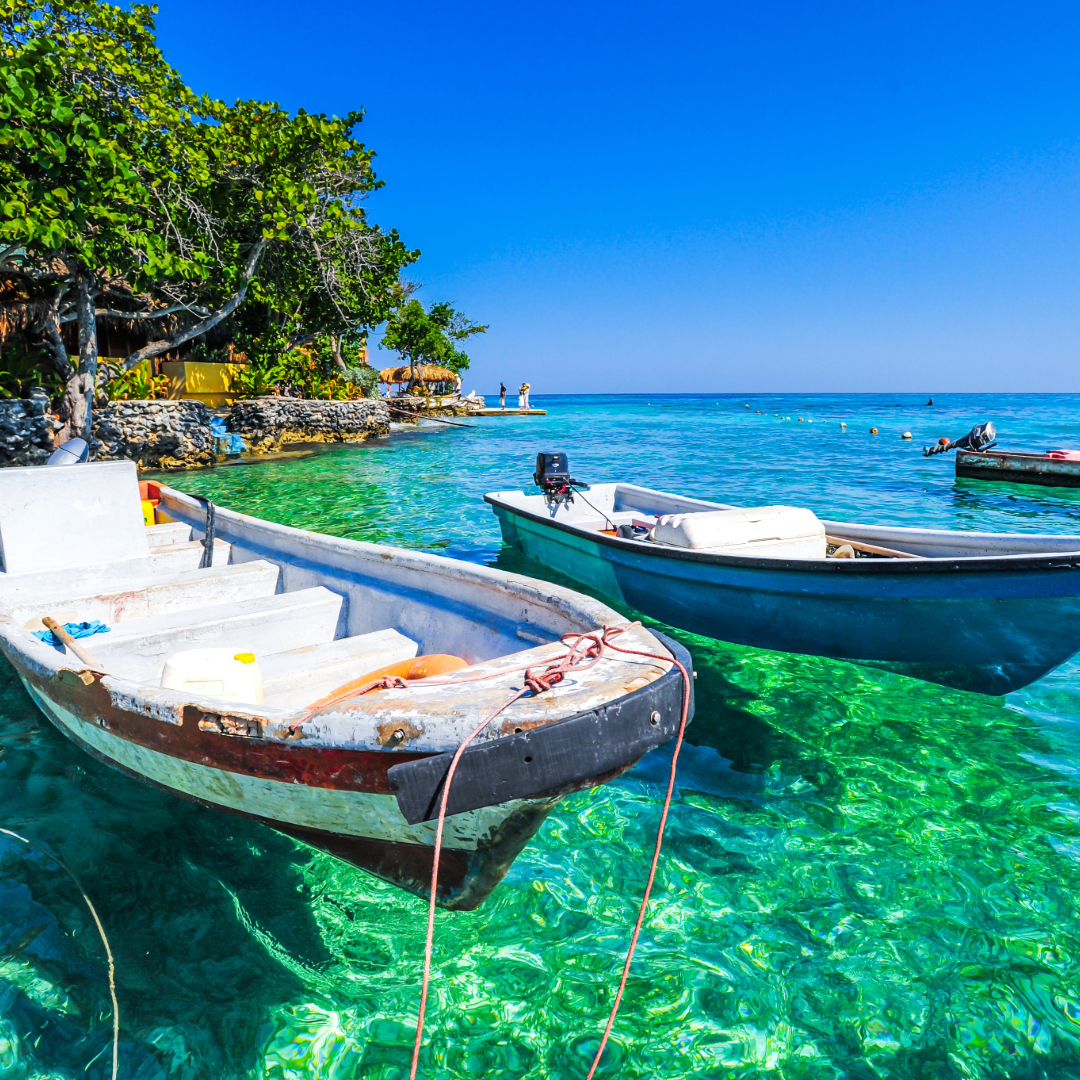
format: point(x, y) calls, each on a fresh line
point(872, 549)
point(72, 644)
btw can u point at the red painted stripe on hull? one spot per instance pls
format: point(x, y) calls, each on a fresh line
point(313, 766)
point(466, 877)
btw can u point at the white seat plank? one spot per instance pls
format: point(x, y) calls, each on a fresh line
point(110, 577)
point(141, 599)
point(166, 534)
point(138, 649)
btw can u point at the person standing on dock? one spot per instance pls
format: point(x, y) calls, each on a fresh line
point(523, 397)
point(502, 395)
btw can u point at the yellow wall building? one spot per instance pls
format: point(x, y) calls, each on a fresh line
point(199, 381)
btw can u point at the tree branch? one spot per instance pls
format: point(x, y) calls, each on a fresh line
point(156, 348)
point(159, 314)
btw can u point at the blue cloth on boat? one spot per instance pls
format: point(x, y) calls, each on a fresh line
point(75, 629)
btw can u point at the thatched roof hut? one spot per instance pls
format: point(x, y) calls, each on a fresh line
point(426, 373)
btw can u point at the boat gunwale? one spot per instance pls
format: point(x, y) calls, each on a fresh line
point(1031, 454)
point(1059, 560)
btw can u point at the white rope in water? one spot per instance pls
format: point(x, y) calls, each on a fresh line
point(104, 940)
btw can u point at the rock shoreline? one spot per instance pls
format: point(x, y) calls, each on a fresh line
point(155, 434)
point(181, 434)
point(27, 430)
point(271, 423)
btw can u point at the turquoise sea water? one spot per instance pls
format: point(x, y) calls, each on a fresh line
point(864, 876)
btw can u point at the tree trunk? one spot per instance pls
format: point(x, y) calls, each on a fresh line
point(79, 393)
point(335, 347)
point(54, 345)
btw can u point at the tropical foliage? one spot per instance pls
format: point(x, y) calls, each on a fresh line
point(127, 195)
point(429, 337)
point(364, 378)
point(135, 384)
point(23, 367)
point(311, 371)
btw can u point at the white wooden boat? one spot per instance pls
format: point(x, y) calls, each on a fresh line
point(361, 776)
point(978, 611)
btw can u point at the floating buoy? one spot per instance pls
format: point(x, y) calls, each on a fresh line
point(800, 419)
point(906, 435)
point(746, 406)
point(943, 441)
point(842, 424)
point(873, 431)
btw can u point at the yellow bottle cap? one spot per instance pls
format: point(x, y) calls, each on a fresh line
point(245, 657)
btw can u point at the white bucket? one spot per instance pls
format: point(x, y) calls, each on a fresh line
point(217, 673)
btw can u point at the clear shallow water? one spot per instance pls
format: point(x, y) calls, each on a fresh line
point(864, 876)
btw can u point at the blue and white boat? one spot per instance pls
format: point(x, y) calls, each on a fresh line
point(986, 612)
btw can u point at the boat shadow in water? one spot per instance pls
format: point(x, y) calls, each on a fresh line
point(208, 917)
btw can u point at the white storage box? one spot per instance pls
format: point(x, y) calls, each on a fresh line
point(216, 673)
point(782, 532)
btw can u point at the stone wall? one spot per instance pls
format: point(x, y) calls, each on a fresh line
point(26, 430)
point(177, 434)
point(270, 423)
point(155, 434)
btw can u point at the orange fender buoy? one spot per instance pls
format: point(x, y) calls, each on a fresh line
point(873, 431)
point(418, 667)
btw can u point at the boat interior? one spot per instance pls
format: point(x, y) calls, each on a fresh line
point(315, 613)
point(633, 513)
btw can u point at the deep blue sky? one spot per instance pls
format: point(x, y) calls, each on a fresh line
point(717, 197)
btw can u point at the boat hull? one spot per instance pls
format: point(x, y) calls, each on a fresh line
point(1018, 468)
point(343, 801)
point(343, 806)
point(976, 625)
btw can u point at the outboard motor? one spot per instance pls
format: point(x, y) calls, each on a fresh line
point(553, 478)
point(73, 452)
point(980, 437)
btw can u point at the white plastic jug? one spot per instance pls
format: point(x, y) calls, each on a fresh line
point(217, 673)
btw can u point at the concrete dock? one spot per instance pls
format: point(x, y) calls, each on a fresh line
point(509, 412)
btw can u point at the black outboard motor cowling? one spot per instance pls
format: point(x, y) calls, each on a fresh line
point(552, 468)
point(978, 438)
point(553, 478)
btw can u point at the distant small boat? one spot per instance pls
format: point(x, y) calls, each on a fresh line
point(976, 611)
point(1054, 469)
point(245, 676)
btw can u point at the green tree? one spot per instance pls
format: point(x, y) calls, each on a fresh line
point(127, 195)
point(429, 337)
point(86, 103)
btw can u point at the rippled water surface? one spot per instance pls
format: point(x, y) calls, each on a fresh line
point(864, 876)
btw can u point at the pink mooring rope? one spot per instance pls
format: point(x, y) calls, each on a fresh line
point(537, 684)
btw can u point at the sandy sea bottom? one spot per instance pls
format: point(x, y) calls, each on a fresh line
point(864, 876)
